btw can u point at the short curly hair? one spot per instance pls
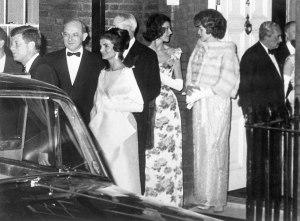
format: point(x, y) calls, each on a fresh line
point(154, 28)
point(213, 21)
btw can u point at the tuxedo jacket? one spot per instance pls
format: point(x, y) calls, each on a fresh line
point(11, 66)
point(261, 85)
point(146, 71)
point(83, 89)
point(41, 70)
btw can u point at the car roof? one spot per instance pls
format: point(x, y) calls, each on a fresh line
point(20, 82)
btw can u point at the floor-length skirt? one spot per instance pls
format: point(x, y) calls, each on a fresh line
point(123, 162)
point(211, 125)
point(164, 161)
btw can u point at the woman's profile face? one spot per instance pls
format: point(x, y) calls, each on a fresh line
point(106, 49)
point(166, 36)
point(202, 34)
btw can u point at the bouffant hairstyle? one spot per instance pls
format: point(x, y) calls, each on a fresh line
point(119, 38)
point(213, 21)
point(154, 28)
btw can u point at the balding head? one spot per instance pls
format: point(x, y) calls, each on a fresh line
point(74, 34)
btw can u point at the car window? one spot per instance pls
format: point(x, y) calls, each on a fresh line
point(38, 130)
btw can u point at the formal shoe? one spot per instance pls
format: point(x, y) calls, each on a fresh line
point(218, 209)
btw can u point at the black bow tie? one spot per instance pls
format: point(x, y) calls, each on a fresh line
point(76, 54)
point(271, 51)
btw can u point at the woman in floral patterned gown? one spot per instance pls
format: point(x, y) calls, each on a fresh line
point(163, 161)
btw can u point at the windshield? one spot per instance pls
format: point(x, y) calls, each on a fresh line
point(46, 132)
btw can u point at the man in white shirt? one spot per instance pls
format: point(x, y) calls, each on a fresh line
point(25, 44)
point(77, 68)
point(7, 63)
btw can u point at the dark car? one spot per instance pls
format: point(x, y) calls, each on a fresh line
point(50, 167)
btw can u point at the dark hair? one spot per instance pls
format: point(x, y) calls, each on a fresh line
point(154, 28)
point(120, 39)
point(288, 25)
point(29, 34)
point(3, 35)
point(213, 21)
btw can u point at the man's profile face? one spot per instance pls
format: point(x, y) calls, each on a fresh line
point(274, 39)
point(291, 33)
point(73, 36)
point(20, 48)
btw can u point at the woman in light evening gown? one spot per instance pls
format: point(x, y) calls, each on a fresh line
point(164, 160)
point(112, 121)
point(212, 80)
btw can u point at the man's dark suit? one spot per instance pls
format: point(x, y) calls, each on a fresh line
point(11, 66)
point(261, 87)
point(146, 71)
point(84, 87)
point(42, 71)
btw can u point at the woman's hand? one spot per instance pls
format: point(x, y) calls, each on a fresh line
point(190, 89)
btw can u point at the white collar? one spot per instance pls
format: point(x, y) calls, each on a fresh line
point(2, 63)
point(131, 42)
point(265, 47)
point(29, 63)
point(290, 47)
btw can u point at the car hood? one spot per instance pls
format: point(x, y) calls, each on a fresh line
point(90, 193)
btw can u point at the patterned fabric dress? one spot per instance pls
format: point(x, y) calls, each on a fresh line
point(163, 161)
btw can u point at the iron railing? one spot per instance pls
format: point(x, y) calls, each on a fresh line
point(272, 168)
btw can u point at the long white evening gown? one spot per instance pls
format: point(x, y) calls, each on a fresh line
point(114, 126)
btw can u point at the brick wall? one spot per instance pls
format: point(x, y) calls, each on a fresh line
point(139, 8)
point(54, 12)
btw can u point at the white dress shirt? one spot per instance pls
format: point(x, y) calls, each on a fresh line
point(73, 63)
point(272, 57)
point(29, 63)
point(2, 63)
point(131, 42)
point(290, 47)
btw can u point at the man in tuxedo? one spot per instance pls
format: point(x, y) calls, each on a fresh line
point(77, 68)
point(7, 63)
point(287, 47)
point(25, 45)
point(261, 92)
point(261, 84)
point(146, 70)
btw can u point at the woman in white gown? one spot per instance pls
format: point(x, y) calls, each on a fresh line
point(112, 121)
